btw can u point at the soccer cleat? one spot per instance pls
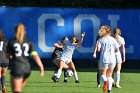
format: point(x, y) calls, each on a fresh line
point(4, 90)
point(55, 79)
point(105, 86)
point(98, 86)
point(118, 86)
point(65, 81)
point(77, 81)
point(108, 91)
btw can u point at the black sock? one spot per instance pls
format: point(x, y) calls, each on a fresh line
point(17, 92)
point(65, 70)
point(98, 77)
point(56, 70)
point(3, 81)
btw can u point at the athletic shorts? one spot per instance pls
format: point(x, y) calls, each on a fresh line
point(20, 71)
point(4, 65)
point(106, 65)
point(118, 57)
point(66, 60)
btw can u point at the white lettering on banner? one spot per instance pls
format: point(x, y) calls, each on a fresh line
point(113, 23)
point(130, 49)
point(41, 30)
point(113, 20)
point(77, 29)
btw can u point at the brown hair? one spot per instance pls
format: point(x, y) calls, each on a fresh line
point(20, 32)
point(74, 36)
point(114, 31)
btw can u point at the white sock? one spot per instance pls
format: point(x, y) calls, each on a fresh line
point(103, 78)
point(110, 81)
point(117, 77)
point(75, 75)
point(59, 73)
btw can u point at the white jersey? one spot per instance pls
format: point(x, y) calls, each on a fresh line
point(68, 50)
point(107, 45)
point(120, 41)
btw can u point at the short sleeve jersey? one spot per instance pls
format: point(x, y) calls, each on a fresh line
point(107, 45)
point(120, 41)
point(3, 45)
point(68, 49)
point(20, 51)
point(57, 51)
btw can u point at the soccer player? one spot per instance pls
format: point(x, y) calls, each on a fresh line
point(97, 59)
point(19, 50)
point(107, 47)
point(56, 57)
point(119, 59)
point(66, 56)
point(4, 62)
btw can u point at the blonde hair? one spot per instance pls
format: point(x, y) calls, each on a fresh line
point(106, 28)
point(20, 32)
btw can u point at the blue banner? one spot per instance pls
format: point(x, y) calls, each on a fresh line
point(45, 26)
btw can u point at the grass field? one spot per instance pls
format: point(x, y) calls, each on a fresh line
point(130, 82)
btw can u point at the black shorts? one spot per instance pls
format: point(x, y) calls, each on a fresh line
point(20, 71)
point(4, 65)
point(20, 75)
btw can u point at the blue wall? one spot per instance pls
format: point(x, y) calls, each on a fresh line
point(45, 26)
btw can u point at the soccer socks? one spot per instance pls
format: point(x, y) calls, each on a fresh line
point(98, 77)
point(75, 75)
point(17, 92)
point(3, 80)
point(110, 81)
point(59, 73)
point(117, 77)
point(103, 78)
point(65, 76)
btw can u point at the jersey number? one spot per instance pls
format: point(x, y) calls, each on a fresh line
point(19, 51)
point(1, 45)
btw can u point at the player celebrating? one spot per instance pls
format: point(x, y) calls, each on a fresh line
point(19, 50)
point(56, 57)
point(4, 62)
point(107, 47)
point(121, 43)
point(66, 56)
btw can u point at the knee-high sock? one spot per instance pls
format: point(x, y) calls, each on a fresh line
point(110, 81)
point(98, 77)
point(103, 78)
point(59, 73)
point(17, 92)
point(118, 77)
point(65, 76)
point(75, 75)
point(3, 81)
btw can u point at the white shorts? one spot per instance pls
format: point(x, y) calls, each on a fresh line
point(106, 65)
point(66, 60)
point(118, 57)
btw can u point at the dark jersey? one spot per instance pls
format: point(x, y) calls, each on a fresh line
point(57, 51)
point(98, 54)
point(20, 54)
point(3, 45)
point(98, 37)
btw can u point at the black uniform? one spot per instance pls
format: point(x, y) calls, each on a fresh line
point(57, 51)
point(20, 66)
point(4, 62)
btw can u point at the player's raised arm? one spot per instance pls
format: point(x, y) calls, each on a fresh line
point(81, 39)
point(37, 59)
